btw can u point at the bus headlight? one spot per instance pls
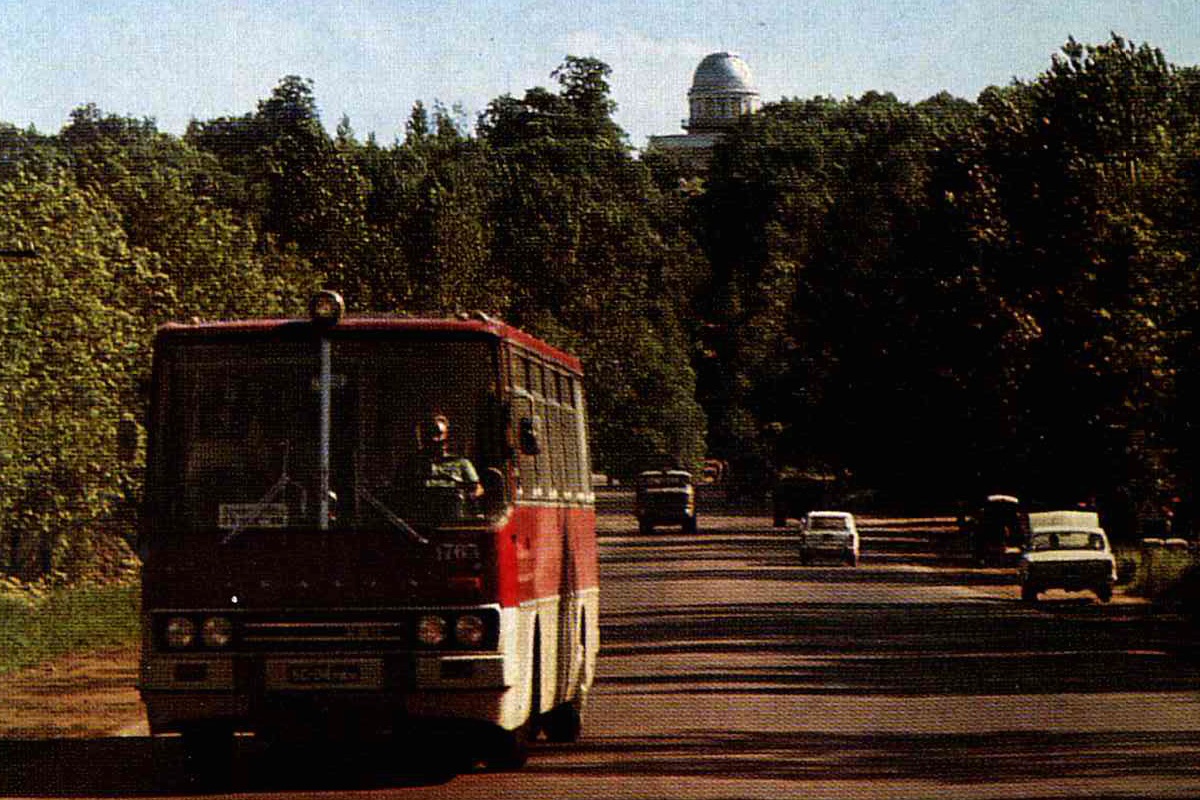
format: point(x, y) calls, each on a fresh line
point(326, 307)
point(431, 630)
point(180, 632)
point(216, 632)
point(470, 630)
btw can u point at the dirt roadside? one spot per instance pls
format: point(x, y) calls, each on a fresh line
point(75, 696)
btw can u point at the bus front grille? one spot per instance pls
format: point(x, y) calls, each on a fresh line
point(328, 634)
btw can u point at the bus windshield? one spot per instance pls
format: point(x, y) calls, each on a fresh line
point(239, 432)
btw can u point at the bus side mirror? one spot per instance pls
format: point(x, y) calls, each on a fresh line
point(530, 443)
point(495, 491)
point(127, 440)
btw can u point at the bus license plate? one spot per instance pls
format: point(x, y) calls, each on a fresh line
point(324, 675)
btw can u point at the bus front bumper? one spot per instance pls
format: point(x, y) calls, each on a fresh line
point(252, 692)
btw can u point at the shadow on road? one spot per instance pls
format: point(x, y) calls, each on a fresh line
point(119, 766)
point(775, 555)
point(905, 649)
point(776, 558)
point(768, 569)
point(950, 758)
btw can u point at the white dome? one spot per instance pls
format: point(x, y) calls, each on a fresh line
point(723, 72)
point(722, 93)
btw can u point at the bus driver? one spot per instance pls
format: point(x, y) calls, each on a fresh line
point(438, 469)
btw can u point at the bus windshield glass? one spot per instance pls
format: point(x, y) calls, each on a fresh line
point(239, 433)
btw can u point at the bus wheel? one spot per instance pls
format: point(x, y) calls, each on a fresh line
point(508, 750)
point(564, 723)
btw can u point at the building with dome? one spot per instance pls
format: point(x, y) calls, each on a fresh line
point(722, 92)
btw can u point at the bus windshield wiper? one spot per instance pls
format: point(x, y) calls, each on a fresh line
point(257, 510)
point(391, 516)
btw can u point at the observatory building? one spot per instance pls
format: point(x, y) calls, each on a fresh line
point(722, 93)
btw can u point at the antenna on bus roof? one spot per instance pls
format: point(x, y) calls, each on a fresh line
point(482, 316)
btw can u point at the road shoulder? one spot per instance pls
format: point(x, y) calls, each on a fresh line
point(80, 695)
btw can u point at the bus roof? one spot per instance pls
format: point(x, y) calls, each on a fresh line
point(483, 327)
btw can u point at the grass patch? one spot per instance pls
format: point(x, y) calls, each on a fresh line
point(36, 628)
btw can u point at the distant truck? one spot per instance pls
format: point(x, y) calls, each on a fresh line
point(665, 497)
point(1067, 550)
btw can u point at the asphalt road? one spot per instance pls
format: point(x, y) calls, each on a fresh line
point(729, 671)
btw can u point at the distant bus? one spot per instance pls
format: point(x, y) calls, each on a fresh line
point(296, 583)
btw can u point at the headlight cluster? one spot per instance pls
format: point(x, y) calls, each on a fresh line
point(468, 630)
point(181, 633)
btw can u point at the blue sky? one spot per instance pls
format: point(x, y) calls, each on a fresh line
point(174, 60)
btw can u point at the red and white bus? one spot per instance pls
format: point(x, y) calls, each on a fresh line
point(292, 583)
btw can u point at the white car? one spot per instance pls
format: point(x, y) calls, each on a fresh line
point(1067, 550)
point(831, 535)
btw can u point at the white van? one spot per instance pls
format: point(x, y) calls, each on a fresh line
point(1067, 550)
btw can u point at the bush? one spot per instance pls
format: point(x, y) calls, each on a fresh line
point(1156, 572)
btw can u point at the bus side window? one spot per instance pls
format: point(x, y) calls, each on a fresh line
point(516, 367)
point(526, 408)
point(552, 433)
point(571, 423)
point(546, 458)
point(579, 438)
point(562, 437)
point(513, 383)
point(560, 454)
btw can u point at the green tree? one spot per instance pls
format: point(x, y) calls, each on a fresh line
point(165, 192)
point(296, 183)
point(579, 232)
point(810, 219)
point(1078, 179)
point(75, 342)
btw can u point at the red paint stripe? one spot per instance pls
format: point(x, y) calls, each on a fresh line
point(529, 553)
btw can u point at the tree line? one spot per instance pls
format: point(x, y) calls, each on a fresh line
point(938, 298)
point(951, 298)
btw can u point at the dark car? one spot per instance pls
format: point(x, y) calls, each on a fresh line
point(797, 493)
point(996, 530)
point(665, 497)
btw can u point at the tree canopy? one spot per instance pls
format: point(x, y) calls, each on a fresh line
point(937, 298)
